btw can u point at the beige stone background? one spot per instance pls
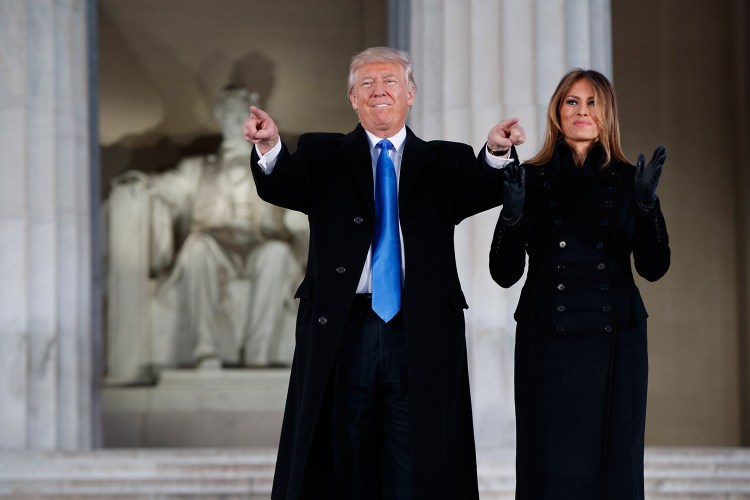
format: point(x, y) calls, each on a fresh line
point(680, 69)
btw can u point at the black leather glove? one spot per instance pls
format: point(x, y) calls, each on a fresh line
point(647, 178)
point(514, 192)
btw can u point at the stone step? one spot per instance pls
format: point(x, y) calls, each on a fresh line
point(698, 473)
point(138, 474)
point(229, 474)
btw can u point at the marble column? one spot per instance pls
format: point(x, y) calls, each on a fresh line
point(46, 306)
point(476, 62)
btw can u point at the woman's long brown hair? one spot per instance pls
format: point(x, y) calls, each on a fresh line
point(605, 107)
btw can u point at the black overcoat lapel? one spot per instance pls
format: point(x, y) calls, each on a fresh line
point(354, 153)
point(416, 156)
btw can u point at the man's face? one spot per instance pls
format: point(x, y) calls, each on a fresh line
point(381, 97)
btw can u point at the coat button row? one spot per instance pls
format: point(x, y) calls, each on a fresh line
point(561, 328)
point(358, 220)
point(599, 246)
point(322, 320)
point(609, 204)
point(606, 308)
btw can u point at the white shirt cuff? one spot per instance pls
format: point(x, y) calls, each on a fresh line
point(496, 161)
point(268, 161)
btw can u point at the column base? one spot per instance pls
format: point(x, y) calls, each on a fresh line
point(198, 408)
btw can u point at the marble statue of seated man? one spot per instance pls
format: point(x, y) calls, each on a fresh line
point(226, 236)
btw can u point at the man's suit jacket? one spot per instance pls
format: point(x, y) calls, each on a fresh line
point(330, 178)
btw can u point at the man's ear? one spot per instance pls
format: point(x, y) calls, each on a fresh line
point(353, 100)
point(409, 97)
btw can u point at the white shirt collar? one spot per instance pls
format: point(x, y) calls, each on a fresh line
point(397, 140)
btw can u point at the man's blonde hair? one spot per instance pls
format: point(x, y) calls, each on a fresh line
point(381, 54)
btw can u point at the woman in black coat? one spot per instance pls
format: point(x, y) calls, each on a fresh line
point(579, 210)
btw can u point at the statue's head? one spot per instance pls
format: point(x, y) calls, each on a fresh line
point(232, 108)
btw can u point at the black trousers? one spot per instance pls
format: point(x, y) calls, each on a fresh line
point(371, 408)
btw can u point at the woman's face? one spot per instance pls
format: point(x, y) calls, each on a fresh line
point(578, 116)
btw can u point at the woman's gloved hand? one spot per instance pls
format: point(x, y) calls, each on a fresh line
point(514, 192)
point(647, 178)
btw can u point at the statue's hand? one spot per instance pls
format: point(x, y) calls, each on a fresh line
point(131, 177)
point(261, 130)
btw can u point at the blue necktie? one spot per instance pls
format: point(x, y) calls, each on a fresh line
point(386, 255)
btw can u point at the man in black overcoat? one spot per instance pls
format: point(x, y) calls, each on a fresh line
point(378, 404)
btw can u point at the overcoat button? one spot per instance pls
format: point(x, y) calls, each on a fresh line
point(560, 309)
point(358, 220)
point(558, 222)
point(561, 287)
point(563, 244)
point(599, 245)
point(559, 328)
point(608, 328)
point(552, 203)
point(611, 189)
point(601, 266)
point(609, 204)
point(341, 270)
point(546, 185)
point(606, 308)
point(322, 320)
point(561, 267)
point(604, 287)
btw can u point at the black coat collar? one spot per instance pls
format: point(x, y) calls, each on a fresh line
point(562, 159)
point(355, 149)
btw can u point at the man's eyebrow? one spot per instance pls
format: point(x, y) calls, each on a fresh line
point(385, 75)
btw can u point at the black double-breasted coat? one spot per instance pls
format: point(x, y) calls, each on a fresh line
point(581, 364)
point(330, 178)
